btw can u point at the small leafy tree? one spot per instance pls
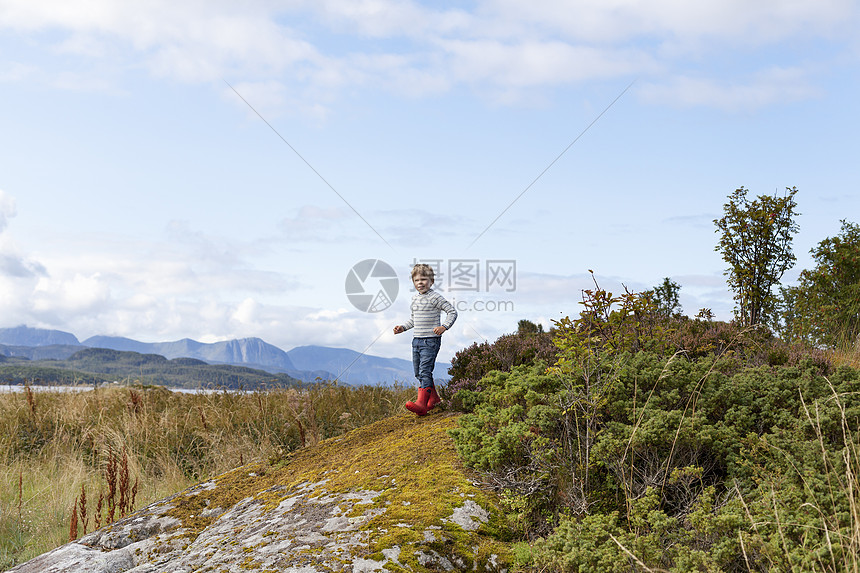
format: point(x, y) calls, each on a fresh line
point(526, 326)
point(755, 239)
point(666, 298)
point(592, 350)
point(825, 307)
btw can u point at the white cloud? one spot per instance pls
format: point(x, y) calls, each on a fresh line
point(318, 225)
point(246, 311)
point(13, 264)
point(265, 98)
point(413, 74)
point(619, 21)
point(774, 86)
point(16, 71)
point(192, 285)
point(392, 18)
point(499, 48)
point(558, 295)
point(398, 226)
point(191, 41)
point(75, 295)
point(378, 18)
point(147, 302)
point(83, 44)
point(701, 221)
point(528, 64)
point(7, 209)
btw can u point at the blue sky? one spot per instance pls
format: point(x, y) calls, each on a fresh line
point(141, 197)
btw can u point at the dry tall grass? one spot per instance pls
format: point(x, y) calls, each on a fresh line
point(53, 444)
point(847, 354)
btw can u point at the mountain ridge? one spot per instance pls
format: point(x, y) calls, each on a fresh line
point(307, 363)
point(23, 335)
point(96, 366)
point(236, 351)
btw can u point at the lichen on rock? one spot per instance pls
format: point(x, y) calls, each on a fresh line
point(391, 496)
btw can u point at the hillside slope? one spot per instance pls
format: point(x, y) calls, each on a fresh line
point(391, 494)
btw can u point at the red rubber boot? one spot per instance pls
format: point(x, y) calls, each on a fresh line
point(419, 406)
point(434, 399)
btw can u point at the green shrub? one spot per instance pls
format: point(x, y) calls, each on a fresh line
point(527, 346)
point(622, 456)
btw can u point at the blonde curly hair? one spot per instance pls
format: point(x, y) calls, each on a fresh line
point(424, 270)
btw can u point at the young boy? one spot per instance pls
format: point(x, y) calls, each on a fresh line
point(427, 307)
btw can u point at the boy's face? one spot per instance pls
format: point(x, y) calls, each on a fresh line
point(422, 283)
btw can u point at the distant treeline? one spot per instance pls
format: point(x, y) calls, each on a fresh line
point(97, 365)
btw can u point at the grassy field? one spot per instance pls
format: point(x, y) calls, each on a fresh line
point(54, 445)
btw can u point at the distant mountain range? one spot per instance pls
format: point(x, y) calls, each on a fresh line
point(251, 352)
point(103, 365)
point(306, 363)
point(26, 336)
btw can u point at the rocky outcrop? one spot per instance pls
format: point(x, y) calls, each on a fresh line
point(389, 496)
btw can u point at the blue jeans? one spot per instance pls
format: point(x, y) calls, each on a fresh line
point(424, 351)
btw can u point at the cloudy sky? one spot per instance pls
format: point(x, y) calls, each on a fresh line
point(214, 170)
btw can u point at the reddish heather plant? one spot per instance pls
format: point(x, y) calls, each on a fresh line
point(110, 479)
point(118, 479)
point(473, 363)
point(203, 418)
point(31, 400)
point(82, 507)
point(135, 401)
point(98, 515)
point(73, 525)
point(123, 484)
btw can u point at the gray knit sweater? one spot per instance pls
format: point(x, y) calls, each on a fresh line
point(427, 309)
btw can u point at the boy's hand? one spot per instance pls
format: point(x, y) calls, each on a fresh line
point(398, 329)
point(439, 329)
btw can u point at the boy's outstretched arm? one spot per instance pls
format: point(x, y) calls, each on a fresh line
point(404, 327)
